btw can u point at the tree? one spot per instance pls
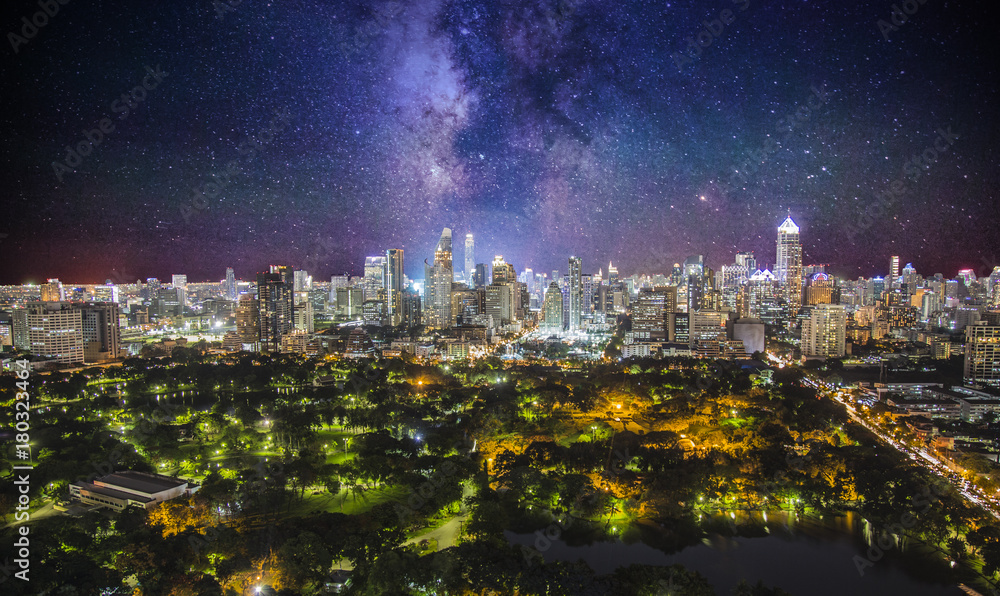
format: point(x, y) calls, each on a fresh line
point(302, 560)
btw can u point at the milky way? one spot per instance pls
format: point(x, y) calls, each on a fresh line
point(633, 132)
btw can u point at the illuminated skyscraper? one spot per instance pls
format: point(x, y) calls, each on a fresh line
point(503, 272)
point(824, 332)
point(374, 276)
point(788, 265)
point(229, 290)
point(575, 291)
point(982, 354)
point(52, 291)
point(552, 308)
point(437, 279)
point(470, 259)
point(394, 284)
point(275, 303)
point(180, 284)
point(893, 272)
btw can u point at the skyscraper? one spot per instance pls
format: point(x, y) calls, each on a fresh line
point(437, 281)
point(575, 292)
point(552, 308)
point(394, 284)
point(374, 276)
point(824, 332)
point(229, 291)
point(470, 259)
point(275, 295)
point(788, 265)
point(180, 283)
point(893, 272)
point(982, 354)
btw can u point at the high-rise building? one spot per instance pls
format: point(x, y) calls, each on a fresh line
point(180, 283)
point(52, 330)
point(552, 308)
point(52, 291)
point(982, 354)
point(248, 322)
point(481, 277)
point(394, 285)
point(652, 313)
point(438, 278)
point(694, 281)
point(374, 276)
point(101, 331)
point(824, 332)
point(229, 285)
point(275, 303)
point(503, 272)
point(470, 259)
point(893, 281)
point(788, 265)
point(575, 292)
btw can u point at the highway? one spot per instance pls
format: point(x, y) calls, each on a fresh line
point(968, 490)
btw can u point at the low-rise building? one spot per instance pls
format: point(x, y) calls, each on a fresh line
point(121, 489)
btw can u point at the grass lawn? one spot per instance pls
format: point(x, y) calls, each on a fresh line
point(325, 502)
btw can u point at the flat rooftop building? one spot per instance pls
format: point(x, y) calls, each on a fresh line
point(121, 489)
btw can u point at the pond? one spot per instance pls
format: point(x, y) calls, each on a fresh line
point(803, 555)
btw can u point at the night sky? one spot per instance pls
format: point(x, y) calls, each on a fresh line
point(545, 128)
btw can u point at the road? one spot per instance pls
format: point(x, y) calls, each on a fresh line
point(968, 490)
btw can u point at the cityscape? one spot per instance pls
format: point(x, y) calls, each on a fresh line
point(536, 297)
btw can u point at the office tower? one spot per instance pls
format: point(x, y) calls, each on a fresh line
point(993, 287)
point(652, 313)
point(788, 265)
point(968, 277)
point(588, 287)
point(612, 273)
point(481, 277)
point(575, 292)
point(151, 290)
point(500, 302)
point(503, 272)
point(552, 308)
point(893, 280)
point(411, 309)
point(824, 332)
point(52, 330)
point(694, 280)
point(747, 261)
point(982, 354)
point(248, 322)
point(438, 278)
point(909, 279)
point(275, 303)
point(348, 302)
point(470, 259)
point(820, 290)
point(374, 276)
point(229, 289)
point(52, 291)
point(394, 284)
point(179, 283)
point(106, 293)
point(101, 331)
